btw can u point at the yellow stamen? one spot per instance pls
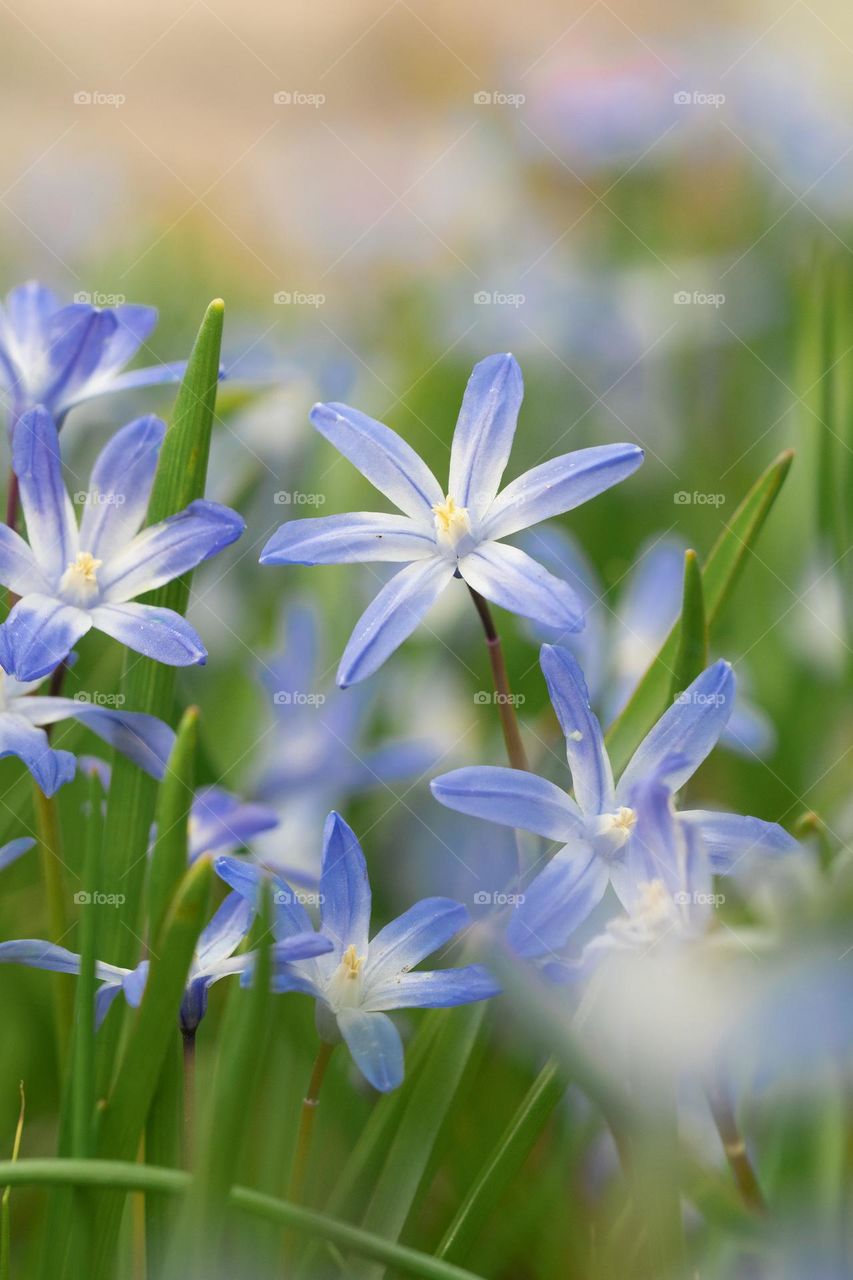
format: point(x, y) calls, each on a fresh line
point(85, 567)
point(451, 521)
point(352, 962)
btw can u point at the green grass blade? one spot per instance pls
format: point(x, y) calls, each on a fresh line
point(506, 1160)
point(691, 653)
point(6, 1201)
point(721, 572)
point(121, 1175)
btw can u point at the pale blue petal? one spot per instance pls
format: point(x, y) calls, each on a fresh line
point(344, 887)
point(151, 376)
point(76, 336)
point(247, 877)
point(440, 989)
point(120, 487)
point(557, 902)
point(144, 739)
point(592, 776)
point(161, 634)
point(689, 729)
point(417, 933)
point(392, 617)
point(38, 634)
point(647, 610)
point(51, 525)
point(134, 326)
point(654, 849)
point(19, 571)
point(731, 838)
point(390, 464)
point(510, 797)
point(512, 579)
point(375, 1045)
point(559, 485)
point(166, 550)
point(484, 432)
point(222, 822)
point(50, 768)
point(750, 731)
point(38, 954)
point(224, 933)
point(359, 537)
point(15, 849)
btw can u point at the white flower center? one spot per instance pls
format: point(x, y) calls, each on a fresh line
point(452, 524)
point(79, 582)
point(611, 830)
point(344, 990)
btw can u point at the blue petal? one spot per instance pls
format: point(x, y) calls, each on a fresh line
point(557, 902)
point(222, 822)
point(361, 536)
point(647, 610)
point(144, 739)
point(589, 763)
point(247, 878)
point(392, 617)
point(18, 568)
point(689, 729)
point(50, 768)
point(76, 337)
point(750, 731)
point(417, 933)
point(344, 887)
point(152, 376)
point(10, 852)
point(39, 632)
point(166, 550)
point(134, 325)
point(302, 946)
point(221, 937)
point(161, 634)
point(24, 318)
point(51, 526)
point(295, 670)
point(120, 487)
point(375, 1045)
point(37, 954)
point(655, 849)
point(390, 464)
point(510, 797)
point(730, 838)
point(512, 579)
point(440, 989)
point(104, 997)
point(484, 432)
point(559, 485)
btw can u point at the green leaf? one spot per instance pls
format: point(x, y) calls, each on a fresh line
point(420, 1122)
point(169, 856)
point(147, 685)
point(151, 1034)
point(506, 1160)
point(721, 572)
point(111, 1175)
point(691, 653)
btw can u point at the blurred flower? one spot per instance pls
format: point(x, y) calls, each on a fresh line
point(214, 958)
point(221, 822)
point(142, 738)
point(73, 579)
point(600, 827)
point(618, 644)
point(12, 851)
point(360, 978)
point(58, 356)
point(320, 754)
point(454, 535)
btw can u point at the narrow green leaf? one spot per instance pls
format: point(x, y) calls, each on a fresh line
point(148, 685)
point(691, 653)
point(426, 1109)
point(125, 1176)
point(55, 895)
point(506, 1160)
point(169, 856)
point(83, 1057)
point(5, 1203)
point(151, 1034)
point(721, 572)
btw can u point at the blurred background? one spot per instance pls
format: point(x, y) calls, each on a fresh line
point(645, 204)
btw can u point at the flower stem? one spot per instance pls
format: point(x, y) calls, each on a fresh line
point(50, 855)
point(306, 1123)
point(188, 1038)
point(735, 1148)
point(503, 694)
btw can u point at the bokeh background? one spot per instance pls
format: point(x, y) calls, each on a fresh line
point(644, 202)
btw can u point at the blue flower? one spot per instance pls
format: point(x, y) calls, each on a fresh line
point(221, 822)
point(59, 356)
point(71, 579)
point(319, 754)
point(214, 958)
point(143, 738)
point(449, 535)
point(599, 828)
point(361, 978)
point(15, 849)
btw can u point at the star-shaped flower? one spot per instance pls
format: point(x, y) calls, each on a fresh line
point(453, 534)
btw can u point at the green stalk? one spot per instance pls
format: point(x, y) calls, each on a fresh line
point(50, 857)
point(503, 693)
point(5, 1204)
point(117, 1175)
